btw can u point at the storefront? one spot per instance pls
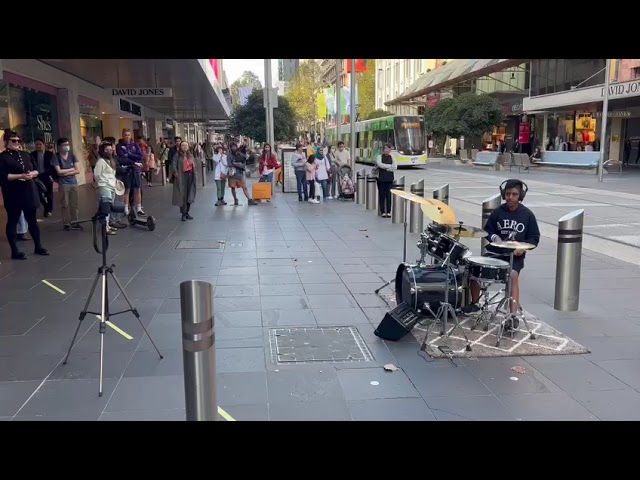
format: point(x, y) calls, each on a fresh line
point(30, 112)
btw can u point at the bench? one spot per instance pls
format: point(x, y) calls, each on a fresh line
point(488, 159)
point(571, 160)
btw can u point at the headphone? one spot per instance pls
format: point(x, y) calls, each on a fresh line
point(523, 188)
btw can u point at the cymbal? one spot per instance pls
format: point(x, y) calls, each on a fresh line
point(511, 245)
point(438, 211)
point(464, 231)
point(410, 196)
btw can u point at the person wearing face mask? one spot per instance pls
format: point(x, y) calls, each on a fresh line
point(19, 192)
point(42, 159)
point(67, 168)
point(104, 174)
point(182, 175)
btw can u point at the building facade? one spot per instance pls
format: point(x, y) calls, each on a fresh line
point(287, 68)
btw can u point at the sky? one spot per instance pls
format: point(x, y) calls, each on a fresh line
point(235, 67)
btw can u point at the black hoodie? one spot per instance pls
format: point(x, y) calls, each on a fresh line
point(504, 222)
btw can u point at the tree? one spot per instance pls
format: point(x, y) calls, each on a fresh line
point(302, 92)
point(377, 114)
point(246, 79)
point(367, 90)
point(250, 119)
point(466, 115)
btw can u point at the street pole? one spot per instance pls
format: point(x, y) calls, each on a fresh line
point(605, 112)
point(338, 99)
point(267, 96)
point(352, 114)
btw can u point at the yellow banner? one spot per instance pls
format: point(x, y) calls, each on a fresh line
point(322, 105)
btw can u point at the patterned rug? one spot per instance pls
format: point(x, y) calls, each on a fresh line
point(548, 340)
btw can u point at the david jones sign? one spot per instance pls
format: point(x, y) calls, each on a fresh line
point(141, 92)
point(626, 89)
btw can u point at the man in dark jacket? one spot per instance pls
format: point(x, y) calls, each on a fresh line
point(42, 161)
point(511, 221)
point(172, 151)
point(130, 156)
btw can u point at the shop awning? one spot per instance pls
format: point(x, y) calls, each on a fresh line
point(453, 73)
point(196, 93)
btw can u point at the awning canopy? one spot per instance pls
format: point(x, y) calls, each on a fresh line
point(196, 95)
point(453, 73)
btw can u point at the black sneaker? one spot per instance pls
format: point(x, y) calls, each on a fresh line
point(470, 309)
point(76, 227)
point(511, 323)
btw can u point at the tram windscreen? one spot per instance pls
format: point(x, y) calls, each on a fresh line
point(409, 133)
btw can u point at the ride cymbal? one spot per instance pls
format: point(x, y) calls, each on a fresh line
point(464, 231)
point(512, 245)
point(438, 211)
point(410, 196)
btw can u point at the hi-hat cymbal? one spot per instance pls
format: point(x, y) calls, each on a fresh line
point(438, 211)
point(464, 231)
point(410, 196)
point(512, 245)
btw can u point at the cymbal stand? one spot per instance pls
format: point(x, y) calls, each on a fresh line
point(506, 303)
point(404, 249)
point(446, 308)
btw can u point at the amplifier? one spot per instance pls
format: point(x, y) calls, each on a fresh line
point(397, 323)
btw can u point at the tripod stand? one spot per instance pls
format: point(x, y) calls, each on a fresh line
point(404, 248)
point(104, 315)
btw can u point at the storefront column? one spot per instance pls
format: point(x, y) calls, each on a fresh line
point(69, 124)
point(545, 132)
point(111, 126)
point(615, 146)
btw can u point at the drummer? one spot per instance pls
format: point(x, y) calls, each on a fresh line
point(510, 221)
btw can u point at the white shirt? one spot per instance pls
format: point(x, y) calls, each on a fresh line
point(104, 175)
point(324, 166)
point(221, 165)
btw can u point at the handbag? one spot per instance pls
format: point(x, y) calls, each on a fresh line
point(231, 172)
point(375, 172)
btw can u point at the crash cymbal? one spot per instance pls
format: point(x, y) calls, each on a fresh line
point(410, 196)
point(464, 231)
point(512, 245)
point(438, 211)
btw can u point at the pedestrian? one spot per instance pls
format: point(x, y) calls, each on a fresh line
point(386, 164)
point(298, 163)
point(310, 168)
point(221, 170)
point(183, 174)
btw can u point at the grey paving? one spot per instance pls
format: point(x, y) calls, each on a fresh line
point(289, 265)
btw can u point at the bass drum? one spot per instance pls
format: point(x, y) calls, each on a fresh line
point(417, 285)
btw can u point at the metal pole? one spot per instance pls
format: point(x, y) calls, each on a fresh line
point(416, 217)
point(361, 186)
point(605, 112)
point(352, 113)
point(568, 262)
point(488, 206)
point(442, 193)
point(338, 99)
point(372, 193)
point(397, 203)
point(199, 352)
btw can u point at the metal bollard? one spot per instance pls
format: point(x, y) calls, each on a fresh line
point(442, 193)
point(361, 186)
point(568, 262)
point(488, 206)
point(204, 174)
point(372, 193)
point(164, 175)
point(199, 352)
point(416, 217)
point(397, 203)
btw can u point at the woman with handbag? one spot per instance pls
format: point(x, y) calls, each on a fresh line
point(385, 165)
point(222, 168)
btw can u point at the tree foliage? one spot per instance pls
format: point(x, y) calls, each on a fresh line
point(367, 90)
point(466, 115)
point(246, 79)
point(302, 92)
point(250, 119)
point(377, 114)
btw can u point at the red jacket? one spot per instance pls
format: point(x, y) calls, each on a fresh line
point(272, 162)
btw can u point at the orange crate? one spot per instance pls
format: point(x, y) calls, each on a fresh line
point(262, 191)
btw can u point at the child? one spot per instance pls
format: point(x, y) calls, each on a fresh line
point(311, 167)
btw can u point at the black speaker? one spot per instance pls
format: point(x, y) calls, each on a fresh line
point(397, 323)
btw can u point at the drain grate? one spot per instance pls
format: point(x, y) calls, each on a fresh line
point(199, 245)
point(317, 345)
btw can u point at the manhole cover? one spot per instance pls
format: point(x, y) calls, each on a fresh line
point(199, 245)
point(317, 345)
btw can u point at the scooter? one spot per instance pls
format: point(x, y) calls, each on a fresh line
point(134, 219)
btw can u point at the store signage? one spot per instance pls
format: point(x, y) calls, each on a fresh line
point(615, 114)
point(625, 89)
point(141, 92)
point(524, 134)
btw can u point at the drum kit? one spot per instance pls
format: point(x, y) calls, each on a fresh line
point(437, 285)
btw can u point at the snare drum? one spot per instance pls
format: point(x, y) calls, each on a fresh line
point(446, 245)
point(487, 270)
